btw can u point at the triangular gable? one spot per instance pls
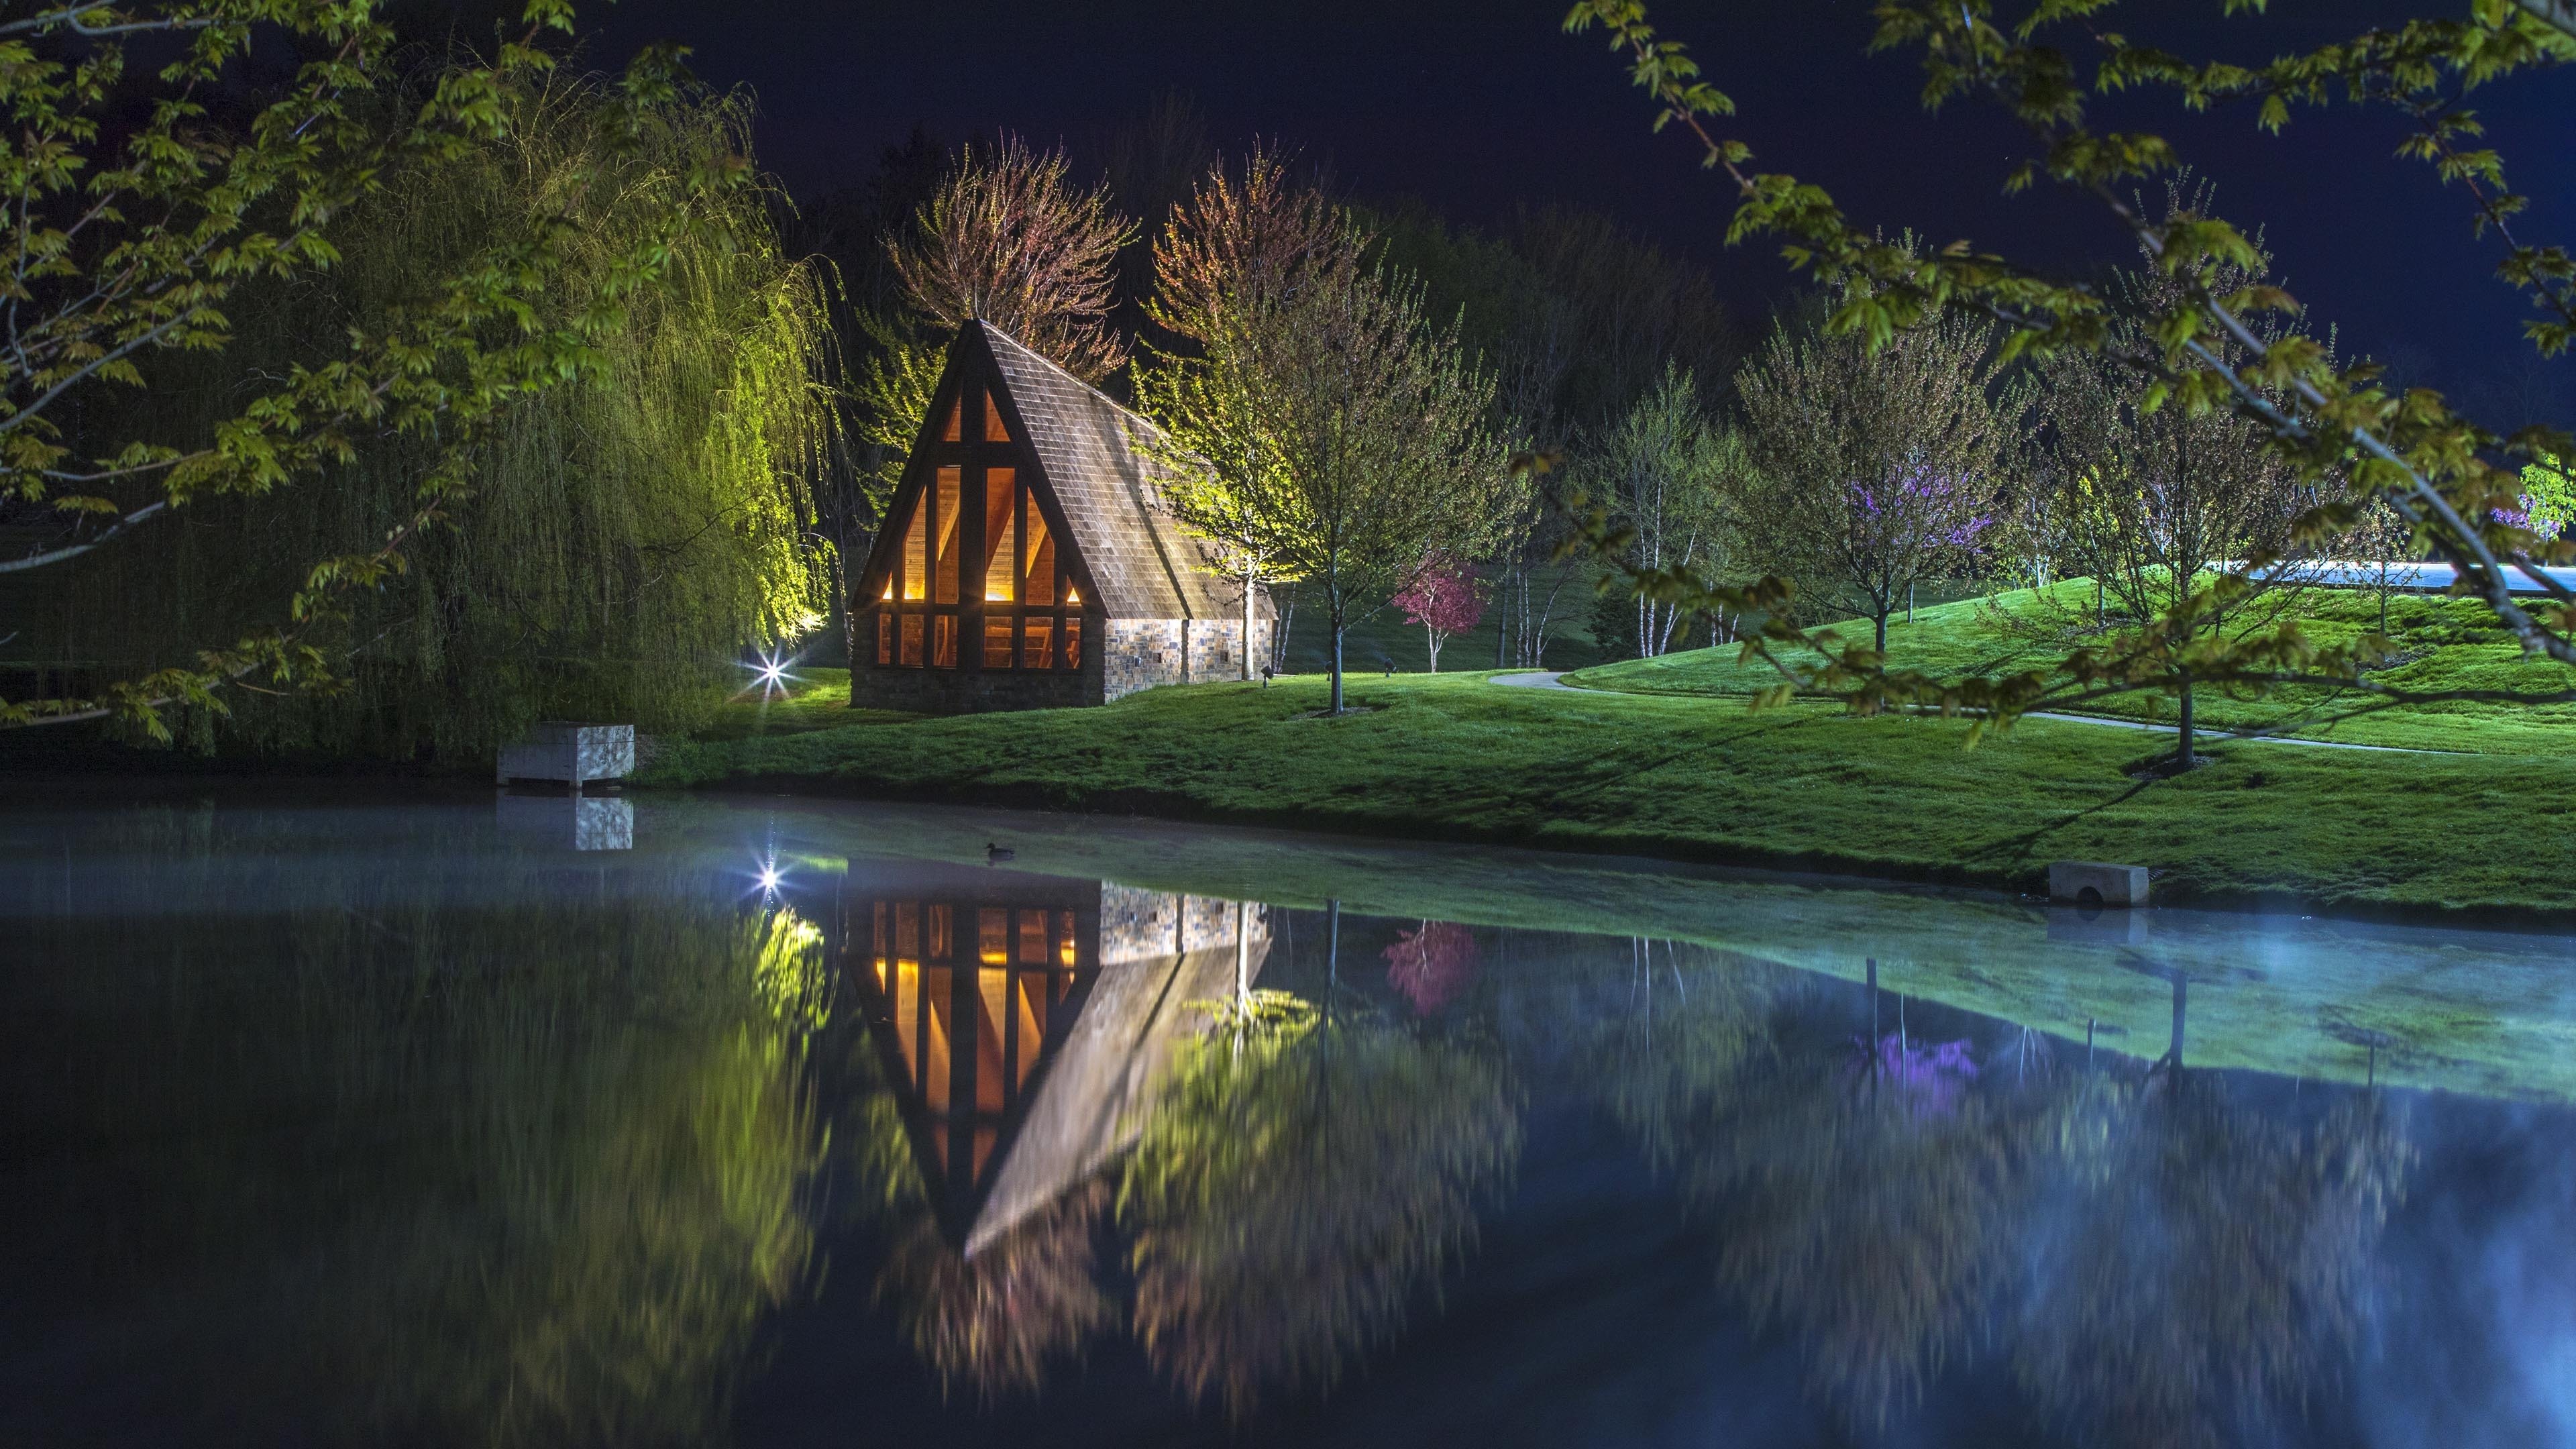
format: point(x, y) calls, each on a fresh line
point(967, 367)
point(1082, 455)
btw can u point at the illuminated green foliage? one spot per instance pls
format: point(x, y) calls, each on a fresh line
point(629, 533)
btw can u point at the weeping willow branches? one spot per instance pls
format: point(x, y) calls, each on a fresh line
point(627, 535)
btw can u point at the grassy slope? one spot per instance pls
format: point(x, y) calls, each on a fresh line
point(1456, 758)
point(2452, 643)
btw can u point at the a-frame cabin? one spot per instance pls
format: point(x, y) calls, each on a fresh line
point(1026, 563)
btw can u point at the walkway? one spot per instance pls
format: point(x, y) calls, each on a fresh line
point(1555, 679)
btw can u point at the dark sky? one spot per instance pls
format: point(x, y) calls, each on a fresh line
point(1473, 105)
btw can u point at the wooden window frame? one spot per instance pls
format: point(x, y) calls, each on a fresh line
point(972, 398)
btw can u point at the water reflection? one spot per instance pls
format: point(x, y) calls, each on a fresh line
point(526, 1173)
point(1285, 1180)
point(366, 1126)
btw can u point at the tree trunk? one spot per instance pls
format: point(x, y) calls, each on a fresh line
point(1881, 622)
point(1337, 661)
point(1431, 644)
point(2182, 741)
point(1244, 651)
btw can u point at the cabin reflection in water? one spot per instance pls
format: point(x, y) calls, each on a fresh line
point(1025, 1018)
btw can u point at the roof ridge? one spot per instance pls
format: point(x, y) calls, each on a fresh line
point(1051, 365)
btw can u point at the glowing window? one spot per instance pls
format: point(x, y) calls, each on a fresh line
point(999, 491)
point(912, 641)
point(1037, 556)
point(997, 643)
point(916, 550)
point(907, 930)
point(1073, 643)
point(885, 638)
point(943, 932)
point(1033, 938)
point(994, 431)
point(879, 939)
point(1064, 938)
point(944, 586)
point(1038, 639)
point(1072, 595)
point(993, 936)
point(954, 431)
point(943, 642)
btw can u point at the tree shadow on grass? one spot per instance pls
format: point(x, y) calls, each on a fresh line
point(2021, 848)
point(1578, 792)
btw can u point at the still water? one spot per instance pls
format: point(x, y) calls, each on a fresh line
point(347, 1116)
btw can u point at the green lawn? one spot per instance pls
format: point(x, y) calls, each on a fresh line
point(2444, 643)
point(1459, 759)
point(811, 699)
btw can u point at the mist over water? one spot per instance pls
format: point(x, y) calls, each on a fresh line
point(438, 1118)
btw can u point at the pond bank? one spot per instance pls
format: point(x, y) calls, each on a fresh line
point(1453, 759)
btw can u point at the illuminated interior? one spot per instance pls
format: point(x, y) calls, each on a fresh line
point(1030, 603)
point(969, 1012)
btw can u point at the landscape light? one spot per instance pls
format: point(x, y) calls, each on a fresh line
point(770, 675)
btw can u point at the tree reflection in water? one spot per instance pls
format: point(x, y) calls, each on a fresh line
point(1300, 1182)
point(418, 1165)
point(2157, 1265)
point(2197, 1268)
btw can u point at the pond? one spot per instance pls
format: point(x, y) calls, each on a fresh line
point(356, 1114)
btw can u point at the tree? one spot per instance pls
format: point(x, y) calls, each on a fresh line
point(2339, 427)
point(142, 217)
point(1877, 463)
point(1319, 428)
point(1241, 246)
point(628, 536)
point(1007, 239)
point(2164, 500)
point(1444, 598)
point(1666, 469)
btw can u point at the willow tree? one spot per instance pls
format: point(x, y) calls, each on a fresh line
point(626, 537)
point(146, 220)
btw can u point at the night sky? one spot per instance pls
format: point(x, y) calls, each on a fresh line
point(1475, 105)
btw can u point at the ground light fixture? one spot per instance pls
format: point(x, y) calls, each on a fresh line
point(770, 675)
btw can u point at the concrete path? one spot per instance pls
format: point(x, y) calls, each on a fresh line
point(1555, 679)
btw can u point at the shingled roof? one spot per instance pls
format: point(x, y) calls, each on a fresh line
point(1143, 565)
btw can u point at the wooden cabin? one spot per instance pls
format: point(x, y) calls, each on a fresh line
point(1026, 562)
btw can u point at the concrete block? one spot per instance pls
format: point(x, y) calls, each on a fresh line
point(572, 753)
point(584, 823)
point(2091, 883)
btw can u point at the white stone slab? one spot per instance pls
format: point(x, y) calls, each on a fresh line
point(2108, 885)
point(572, 753)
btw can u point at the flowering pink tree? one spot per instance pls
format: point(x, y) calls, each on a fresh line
point(1432, 965)
point(1445, 598)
